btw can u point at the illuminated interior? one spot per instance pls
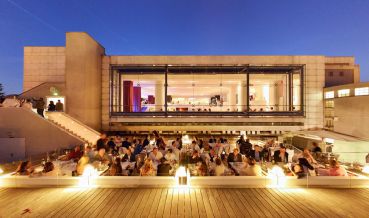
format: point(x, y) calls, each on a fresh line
point(207, 91)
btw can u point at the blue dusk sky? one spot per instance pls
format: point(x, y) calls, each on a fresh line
point(186, 27)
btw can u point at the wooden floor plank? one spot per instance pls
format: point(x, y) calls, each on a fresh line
point(112, 203)
point(200, 203)
point(194, 205)
point(194, 202)
point(256, 204)
point(134, 204)
point(205, 199)
point(155, 203)
point(174, 205)
point(228, 208)
point(246, 205)
point(160, 208)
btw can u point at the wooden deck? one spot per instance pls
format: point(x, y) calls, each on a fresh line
point(64, 202)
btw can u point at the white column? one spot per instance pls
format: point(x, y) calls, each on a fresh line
point(242, 92)
point(232, 98)
point(159, 96)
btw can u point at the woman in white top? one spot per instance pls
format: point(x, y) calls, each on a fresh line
point(219, 168)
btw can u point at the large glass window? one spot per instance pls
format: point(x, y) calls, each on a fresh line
point(343, 92)
point(362, 91)
point(268, 92)
point(142, 92)
point(206, 92)
point(203, 89)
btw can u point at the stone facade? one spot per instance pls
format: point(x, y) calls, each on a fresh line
point(43, 64)
point(85, 69)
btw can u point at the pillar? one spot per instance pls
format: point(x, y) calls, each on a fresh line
point(159, 96)
point(242, 98)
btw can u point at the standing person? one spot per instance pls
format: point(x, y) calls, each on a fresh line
point(51, 106)
point(101, 142)
point(245, 146)
point(59, 106)
point(40, 106)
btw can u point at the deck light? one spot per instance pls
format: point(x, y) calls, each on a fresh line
point(182, 177)
point(88, 176)
point(277, 176)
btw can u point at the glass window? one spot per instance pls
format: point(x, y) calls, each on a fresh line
point(142, 92)
point(268, 92)
point(362, 91)
point(210, 92)
point(329, 94)
point(343, 92)
point(329, 104)
point(296, 83)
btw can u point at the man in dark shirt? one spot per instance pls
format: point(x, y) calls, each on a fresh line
point(126, 143)
point(129, 156)
point(256, 154)
point(163, 168)
point(146, 141)
point(281, 156)
point(101, 142)
point(235, 156)
point(316, 148)
point(245, 146)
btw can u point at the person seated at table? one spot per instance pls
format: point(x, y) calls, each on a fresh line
point(307, 155)
point(244, 145)
point(76, 154)
point(257, 153)
point(48, 168)
point(316, 148)
point(129, 157)
point(218, 148)
point(126, 143)
point(111, 146)
point(219, 168)
point(335, 169)
point(102, 157)
point(203, 169)
point(170, 156)
point(148, 168)
point(195, 158)
point(195, 146)
point(24, 168)
point(82, 162)
point(116, 168)
point(281, 156)
point(251, 168)
point(303, 168)
point(212, 155)
point(235, 156)
point(155, 156)
point(138, 147)
point(89, 152)
point(163, 168)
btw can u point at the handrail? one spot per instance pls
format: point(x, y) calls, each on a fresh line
point(75, 120)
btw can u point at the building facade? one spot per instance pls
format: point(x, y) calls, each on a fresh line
point(346, 109)
point(251, 94)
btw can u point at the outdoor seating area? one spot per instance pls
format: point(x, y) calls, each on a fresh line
point(153, 161)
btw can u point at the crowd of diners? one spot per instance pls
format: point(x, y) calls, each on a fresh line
point(152, 155)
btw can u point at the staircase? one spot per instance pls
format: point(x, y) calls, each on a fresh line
point(73, 126)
